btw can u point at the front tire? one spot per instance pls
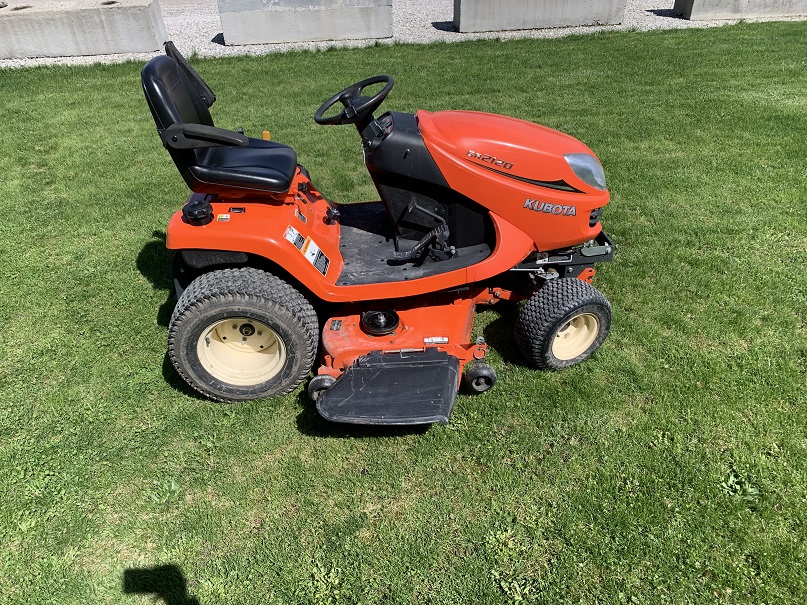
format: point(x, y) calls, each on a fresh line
point(562, 324)
point(240, 334)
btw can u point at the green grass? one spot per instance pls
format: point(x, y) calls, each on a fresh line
point(670, 468)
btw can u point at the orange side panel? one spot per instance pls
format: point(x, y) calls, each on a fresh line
point(294, 234)
point(288, 234)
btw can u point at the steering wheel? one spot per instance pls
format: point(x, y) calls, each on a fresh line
point(356, 105)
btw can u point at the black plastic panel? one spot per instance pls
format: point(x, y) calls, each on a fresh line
point(403, 151)
point(405, 175)
point(394, 389)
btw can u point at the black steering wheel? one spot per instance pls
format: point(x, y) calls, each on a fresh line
point(357, 107)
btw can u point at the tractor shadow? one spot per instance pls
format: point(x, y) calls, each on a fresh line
point(154, 263)
point(175, 381)
point(165, 582)
point(499, 334)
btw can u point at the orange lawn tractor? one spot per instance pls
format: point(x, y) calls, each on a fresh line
point(274, 279)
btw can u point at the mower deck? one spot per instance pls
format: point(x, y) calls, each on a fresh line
point(398, 363)
point(402, 388)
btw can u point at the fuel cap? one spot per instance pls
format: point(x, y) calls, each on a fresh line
point(198, 212)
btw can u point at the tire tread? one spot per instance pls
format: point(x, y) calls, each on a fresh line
point(239, 286)
point(539, 316)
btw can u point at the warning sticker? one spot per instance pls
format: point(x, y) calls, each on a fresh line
point(309, 249)
point(223, 218)
point(294, 237)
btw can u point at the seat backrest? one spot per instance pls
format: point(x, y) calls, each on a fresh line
point(172, 99)
point(171, 96)
point(196, 80)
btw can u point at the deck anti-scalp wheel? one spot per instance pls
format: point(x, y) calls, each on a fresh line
point(318, 385)
point(239, 334)
point(479, 377)
point(562, 324)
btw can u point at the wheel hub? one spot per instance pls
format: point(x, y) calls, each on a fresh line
point(576, 336)
point(241, 351)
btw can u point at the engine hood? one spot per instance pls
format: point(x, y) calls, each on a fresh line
point(516, 170)
point(514, 148)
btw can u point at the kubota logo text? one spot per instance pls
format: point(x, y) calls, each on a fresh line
point(548, 208)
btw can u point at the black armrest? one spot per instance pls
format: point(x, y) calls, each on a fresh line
point(197, 136)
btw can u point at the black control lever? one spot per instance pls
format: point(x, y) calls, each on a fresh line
point(438, 235)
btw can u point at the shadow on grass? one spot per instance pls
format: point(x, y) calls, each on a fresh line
point(166, 582)
point(176, 382)
point(310, 423)
point(154, 263)
point(499, 334)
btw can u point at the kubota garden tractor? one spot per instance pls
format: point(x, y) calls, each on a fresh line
point(474, 209)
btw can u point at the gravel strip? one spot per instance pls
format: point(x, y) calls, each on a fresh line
point(194, 26)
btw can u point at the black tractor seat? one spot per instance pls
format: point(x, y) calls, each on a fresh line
point(262, 166)
point(211, 160)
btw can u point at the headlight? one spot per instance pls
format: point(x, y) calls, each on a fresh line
point(587, 168)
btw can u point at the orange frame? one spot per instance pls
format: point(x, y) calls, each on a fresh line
point(260, 227)
point(293, 231)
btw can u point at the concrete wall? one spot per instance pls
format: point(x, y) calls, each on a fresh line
point(266, 21)
point(66, 28)
point(495, 15)
point(737, 9)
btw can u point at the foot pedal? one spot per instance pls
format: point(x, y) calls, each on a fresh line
point(418, 249)
point(394, 389)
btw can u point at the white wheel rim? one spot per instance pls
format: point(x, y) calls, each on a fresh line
point(575, 336)
point(241, 351)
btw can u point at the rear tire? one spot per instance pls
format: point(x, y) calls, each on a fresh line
point(240, 334)
point(562, 324)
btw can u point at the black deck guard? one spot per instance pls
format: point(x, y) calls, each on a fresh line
point(394, 388)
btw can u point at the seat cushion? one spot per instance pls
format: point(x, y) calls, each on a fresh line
point(262, 166)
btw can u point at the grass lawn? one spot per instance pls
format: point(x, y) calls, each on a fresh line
point(670, 468)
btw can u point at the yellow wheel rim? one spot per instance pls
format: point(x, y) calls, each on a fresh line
point(241, 351)
point(575, 336)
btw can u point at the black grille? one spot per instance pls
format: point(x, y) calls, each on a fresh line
point(595, 217)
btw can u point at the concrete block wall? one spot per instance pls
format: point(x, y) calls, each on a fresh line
point(495, 15)
point(66, 28)
point(737, 9)
point(267, 21)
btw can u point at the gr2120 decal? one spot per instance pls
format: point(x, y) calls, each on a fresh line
point(484, 157)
